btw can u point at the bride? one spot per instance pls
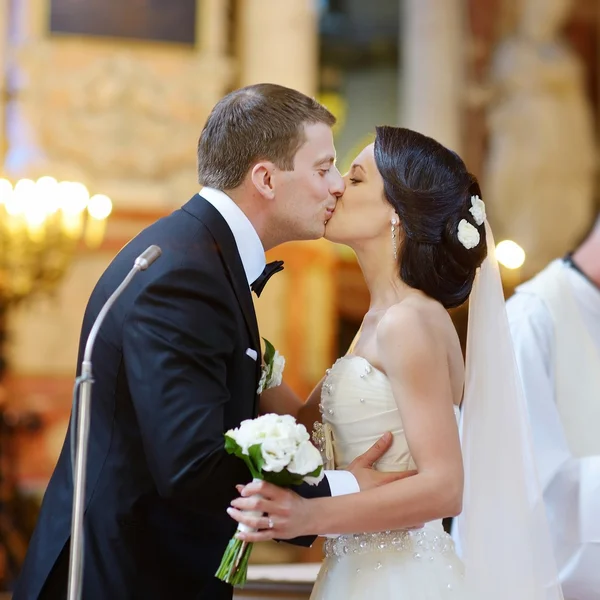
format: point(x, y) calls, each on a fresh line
point(414, 216)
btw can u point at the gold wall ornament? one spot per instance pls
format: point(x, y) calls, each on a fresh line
point(42, 223)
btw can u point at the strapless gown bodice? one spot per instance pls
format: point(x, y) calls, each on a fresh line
point(358, 407)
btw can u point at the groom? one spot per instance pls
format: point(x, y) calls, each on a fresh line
point(177, 363)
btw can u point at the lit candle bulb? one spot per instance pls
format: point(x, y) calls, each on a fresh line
point(511, 258)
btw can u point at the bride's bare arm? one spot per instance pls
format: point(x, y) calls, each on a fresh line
point(309, 412)
point(284, 401)
point(281, 400)
point(416, 364)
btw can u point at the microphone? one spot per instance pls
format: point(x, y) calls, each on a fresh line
point(147, 257)
point(80, 426)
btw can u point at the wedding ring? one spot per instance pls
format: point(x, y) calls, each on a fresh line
point(270, 523)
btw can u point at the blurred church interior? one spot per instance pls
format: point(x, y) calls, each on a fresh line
point(101, 105)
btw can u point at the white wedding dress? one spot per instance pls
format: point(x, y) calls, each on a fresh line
point(358, 406)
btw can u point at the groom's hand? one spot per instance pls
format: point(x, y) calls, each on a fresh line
point(362, 467)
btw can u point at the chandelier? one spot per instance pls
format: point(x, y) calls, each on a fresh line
point(42, 225)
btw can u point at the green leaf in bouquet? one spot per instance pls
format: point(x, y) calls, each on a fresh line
point(283, 478)
point(256, 458)
point(232, 447)
point(254, 461)
point(316, 472)
point(269, 352)
point(250, 464)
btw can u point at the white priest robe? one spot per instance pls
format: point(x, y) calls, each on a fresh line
point(555, 325)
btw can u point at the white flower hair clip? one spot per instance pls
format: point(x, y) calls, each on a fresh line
point(477, 209)
point(468, 235)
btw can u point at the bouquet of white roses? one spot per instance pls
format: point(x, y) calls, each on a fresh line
point(278, 450)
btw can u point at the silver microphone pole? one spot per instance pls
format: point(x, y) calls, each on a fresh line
point(80, 434)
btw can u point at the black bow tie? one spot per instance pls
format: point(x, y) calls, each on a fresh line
point(268, 272)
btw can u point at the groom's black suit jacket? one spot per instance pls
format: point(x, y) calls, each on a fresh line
point(171, 376)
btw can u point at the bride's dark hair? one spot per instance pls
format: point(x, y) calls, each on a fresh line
point(430, 189)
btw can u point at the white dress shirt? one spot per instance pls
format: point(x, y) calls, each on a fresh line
point(252, 254)
point(571, 484)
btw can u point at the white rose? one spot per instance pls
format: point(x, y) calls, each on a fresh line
point(268, 424)
point(477, 210)
point(272, 373)
point(305, 460)
point(249, 433)
point(277, 426)
point(266, 421)
point(290, 430)
point(276, 370)
point(263, 381)
point(280, 438)
point(286, 419)
point(276, 454)
point(301, 434)
point(314, 480)
point(468, 235)
point(243, 435)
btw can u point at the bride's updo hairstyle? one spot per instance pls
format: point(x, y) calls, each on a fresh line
point(430, 189)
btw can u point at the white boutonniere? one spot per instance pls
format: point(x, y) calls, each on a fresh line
point(272, 368)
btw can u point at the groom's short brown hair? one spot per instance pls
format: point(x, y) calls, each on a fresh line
point(259, 122)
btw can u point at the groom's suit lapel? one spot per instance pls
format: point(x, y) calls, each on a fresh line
point(227, 248)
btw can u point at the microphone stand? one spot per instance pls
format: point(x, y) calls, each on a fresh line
point(81, 415)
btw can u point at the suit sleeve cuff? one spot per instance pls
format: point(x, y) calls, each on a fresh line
point(342, 483)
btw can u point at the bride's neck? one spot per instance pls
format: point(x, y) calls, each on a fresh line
point(381, 273)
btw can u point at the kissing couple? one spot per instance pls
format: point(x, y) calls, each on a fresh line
point(177, 364)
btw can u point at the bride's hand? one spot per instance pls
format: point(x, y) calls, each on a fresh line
point(363, 466)
point(287, 514)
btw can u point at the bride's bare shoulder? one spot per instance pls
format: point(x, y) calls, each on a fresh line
point(414, 331)
point(415, 314)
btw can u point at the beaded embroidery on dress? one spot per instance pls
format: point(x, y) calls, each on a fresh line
point(358, 406)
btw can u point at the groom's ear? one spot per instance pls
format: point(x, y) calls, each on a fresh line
point(262, 178)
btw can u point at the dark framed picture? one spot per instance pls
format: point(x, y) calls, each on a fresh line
point(151, 20)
